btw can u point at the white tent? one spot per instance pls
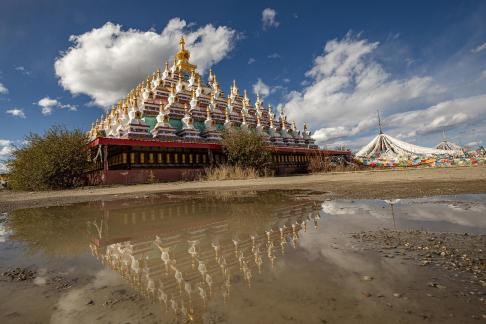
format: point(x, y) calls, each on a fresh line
point(387, 146)
point(448, 146)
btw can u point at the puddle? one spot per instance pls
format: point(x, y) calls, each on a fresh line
point(227, 257)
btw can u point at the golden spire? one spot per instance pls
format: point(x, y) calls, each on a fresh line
point(234, 83)
point(229, 101)
point(186, 110)
point(182, 42)
point(183, 56)
point(166, 65)
point(158, 73)
point(154, 76)
point(305, 126)
point(193, 94)
point(269, 108)
point(245, 96)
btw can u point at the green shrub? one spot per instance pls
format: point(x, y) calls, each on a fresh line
point(246, 149)
point(55, 160)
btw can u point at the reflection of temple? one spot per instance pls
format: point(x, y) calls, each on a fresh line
point(171, 124)
point(184, 257)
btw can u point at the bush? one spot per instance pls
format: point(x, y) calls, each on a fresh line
point(55, 160)
point(246, 149)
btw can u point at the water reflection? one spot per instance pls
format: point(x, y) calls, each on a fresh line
point(184, 256)
point(252, 256)
point(447, 214)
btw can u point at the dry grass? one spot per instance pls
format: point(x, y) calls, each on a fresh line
point(229, 172)
point(323, 164)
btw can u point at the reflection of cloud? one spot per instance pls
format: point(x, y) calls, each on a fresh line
point(72, 306)
point(4, 233)
point(41, 278)
point(469, 214)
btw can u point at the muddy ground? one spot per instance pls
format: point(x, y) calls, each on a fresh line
point(402, 183)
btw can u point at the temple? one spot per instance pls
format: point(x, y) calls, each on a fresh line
point(169, 127)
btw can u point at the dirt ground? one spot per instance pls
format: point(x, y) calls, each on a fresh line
point(403, 183)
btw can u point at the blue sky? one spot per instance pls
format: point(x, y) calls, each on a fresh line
point(423, 64)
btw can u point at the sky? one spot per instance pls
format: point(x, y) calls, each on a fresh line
point(332, 64)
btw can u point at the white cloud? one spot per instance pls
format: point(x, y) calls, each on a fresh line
point(49, 104)
point(23, 70)
point(6, 149)
point(3, 89)
point(346, 86)
point(480, 48)
point(106, 62)
point(16, 112)
point(251, 60)
point(261, 88)
point(269, 18)
point(274, 56)
point(483, 75)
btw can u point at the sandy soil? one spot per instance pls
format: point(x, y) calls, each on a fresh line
point(364, 184)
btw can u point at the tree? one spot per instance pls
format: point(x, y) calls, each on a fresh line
point(246, 149)
point(55, 160)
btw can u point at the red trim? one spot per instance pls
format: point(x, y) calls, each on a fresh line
point(214, 146)
point(142, 142)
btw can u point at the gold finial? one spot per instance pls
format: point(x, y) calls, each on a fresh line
point(229, 100)
point(269, 108)
point(245, 95)
point(210, 72)
point(185, 108)
point(159, 75)
point(181, 43)
point(166, 65)
point(208, 112)
point(193, 94)
point(154, 76)
point(142, 85)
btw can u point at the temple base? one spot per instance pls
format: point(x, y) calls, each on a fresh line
point(276, 140)
point(211, 135)
point(288, 141)
point(139, 130)
point(189, 134)
point(164, 133)
point(299, 141)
